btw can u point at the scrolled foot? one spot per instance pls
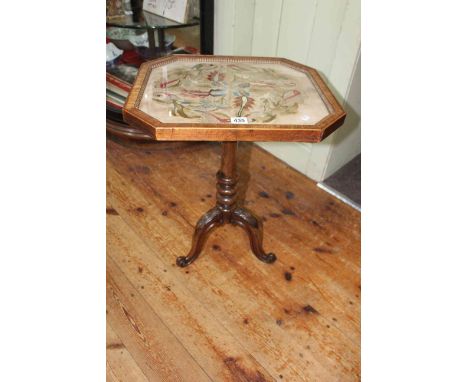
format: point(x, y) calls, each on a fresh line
point(269, 258)
point(253, 226)
point(207, 222)
point(183, 261)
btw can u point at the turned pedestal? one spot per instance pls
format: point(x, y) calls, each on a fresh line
point(231, 99)
point(227, 211)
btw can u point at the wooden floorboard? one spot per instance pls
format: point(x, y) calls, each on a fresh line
point(120, 364)
point(233, 317)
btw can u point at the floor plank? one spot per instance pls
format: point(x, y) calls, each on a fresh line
point(292, 240)
point(110, 376)
point(306, 328)
point(120, 364)
point(204, 337)
point(155, 349)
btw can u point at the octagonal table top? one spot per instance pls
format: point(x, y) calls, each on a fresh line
point(229, 98)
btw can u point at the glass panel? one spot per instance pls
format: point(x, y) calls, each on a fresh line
point(214, 92)
point(149, 20)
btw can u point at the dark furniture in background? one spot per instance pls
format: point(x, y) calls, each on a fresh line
point(206, 26)
point(151, 23)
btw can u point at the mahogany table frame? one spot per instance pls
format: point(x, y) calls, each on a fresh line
point(227, 209)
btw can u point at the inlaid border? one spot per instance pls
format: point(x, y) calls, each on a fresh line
point(226, 131)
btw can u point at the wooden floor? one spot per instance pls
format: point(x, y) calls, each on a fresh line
point(228, 316)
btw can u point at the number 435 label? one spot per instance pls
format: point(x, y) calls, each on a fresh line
point(239, 120)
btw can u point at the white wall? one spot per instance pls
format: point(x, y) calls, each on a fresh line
point(324, 34)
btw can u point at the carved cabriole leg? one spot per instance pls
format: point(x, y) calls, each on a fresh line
point(253, 226)
point(207, 222)
point(226, 211)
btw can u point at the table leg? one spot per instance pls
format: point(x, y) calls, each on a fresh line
point(253, 226)
point(207, 222)
point(152, 43)
point(227, 211)
point(161, 42)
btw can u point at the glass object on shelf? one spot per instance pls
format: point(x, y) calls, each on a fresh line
point(129, 39)
point(177, 10)
point(118, 11)
point(112, 54)
point(148, 20)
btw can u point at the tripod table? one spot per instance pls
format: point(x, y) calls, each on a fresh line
point(231, 99)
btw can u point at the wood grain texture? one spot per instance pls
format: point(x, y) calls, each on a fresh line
point(188, 319)
point(239, 319)
point(156, 350)
point(125, 131)
point(231, 132)
point(120, 364)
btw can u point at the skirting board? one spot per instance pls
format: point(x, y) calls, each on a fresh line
point(339, 195)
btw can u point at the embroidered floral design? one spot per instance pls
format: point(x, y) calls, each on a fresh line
point(243, 103)
point(216, 76)
point(213, 93)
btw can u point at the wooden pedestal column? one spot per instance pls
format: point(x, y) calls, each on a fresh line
point(227, 211)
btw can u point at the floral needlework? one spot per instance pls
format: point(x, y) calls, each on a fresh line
point(213, 93)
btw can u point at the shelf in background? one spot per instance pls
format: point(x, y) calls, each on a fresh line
point(148, 20)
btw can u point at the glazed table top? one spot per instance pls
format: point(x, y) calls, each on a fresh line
point(221, 98)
